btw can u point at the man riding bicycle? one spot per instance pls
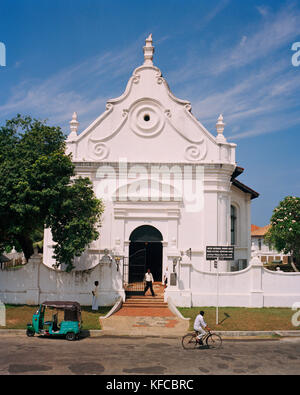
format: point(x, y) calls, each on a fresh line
point(199, 325)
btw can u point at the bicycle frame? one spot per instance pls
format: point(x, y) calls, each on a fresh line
point(211, 339)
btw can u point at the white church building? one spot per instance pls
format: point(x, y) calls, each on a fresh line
point(169, 187)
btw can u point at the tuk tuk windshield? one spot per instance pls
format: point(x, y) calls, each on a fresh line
point(72, 310)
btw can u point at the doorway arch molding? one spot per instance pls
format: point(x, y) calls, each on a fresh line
point(145, 252)
point(146, 233)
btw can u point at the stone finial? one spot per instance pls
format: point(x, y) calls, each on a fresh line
point(253, 250)
point(148, 51)
point(220, 129)
point(73, 126)
point(255, 260)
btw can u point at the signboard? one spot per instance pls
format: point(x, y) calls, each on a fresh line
point(222, 253)
point(219, 253)
point(173, 279)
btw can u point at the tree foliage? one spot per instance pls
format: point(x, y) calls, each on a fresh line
point(284, 233)
point(38, 188)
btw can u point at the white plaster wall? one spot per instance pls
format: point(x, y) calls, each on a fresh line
point(280, 288)
point(178, 223)
point(35, 283)
point(254, 286)
point(242, 202)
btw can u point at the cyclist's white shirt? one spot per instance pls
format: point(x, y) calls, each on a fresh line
point(199, 323)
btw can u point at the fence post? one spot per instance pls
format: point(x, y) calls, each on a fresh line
point(2, 314)
point(256, 291)
point(184, 281)
point(33, 293)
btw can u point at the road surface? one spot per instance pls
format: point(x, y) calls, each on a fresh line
point(154, 356)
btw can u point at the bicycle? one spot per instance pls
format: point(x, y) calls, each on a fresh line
point(212, 340)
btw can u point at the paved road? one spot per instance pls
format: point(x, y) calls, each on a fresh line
point(120, 355)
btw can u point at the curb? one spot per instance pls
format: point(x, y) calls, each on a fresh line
point(259, 333)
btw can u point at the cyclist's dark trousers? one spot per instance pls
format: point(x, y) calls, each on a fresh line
point(148, 285)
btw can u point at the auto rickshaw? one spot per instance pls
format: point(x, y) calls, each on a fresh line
point(70, 327)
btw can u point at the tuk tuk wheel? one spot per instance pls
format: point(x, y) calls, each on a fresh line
point(29, 333)
point(70, 336)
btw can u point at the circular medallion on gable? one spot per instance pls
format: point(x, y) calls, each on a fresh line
point(146, 118)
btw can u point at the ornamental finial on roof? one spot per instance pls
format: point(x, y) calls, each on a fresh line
point(73, 126)
point(148, 51)
point(220, 129)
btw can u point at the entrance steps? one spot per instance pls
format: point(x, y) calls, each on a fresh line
point(147, 302)
point(145, 316)
point(146, 305)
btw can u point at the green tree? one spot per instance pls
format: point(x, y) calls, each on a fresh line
point(284, 233)
point(38, 189)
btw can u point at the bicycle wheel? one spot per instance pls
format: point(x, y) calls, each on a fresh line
point(214, 341)
point(189, 342)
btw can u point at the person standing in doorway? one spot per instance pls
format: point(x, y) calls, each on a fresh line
point(95, 292)
point(149, 281)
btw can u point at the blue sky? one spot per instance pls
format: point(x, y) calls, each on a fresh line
point(225, 56)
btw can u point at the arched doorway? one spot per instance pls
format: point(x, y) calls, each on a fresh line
point(145, 252)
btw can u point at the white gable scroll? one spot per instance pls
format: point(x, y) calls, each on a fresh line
point(148, 124)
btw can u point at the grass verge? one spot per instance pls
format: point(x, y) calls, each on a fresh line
point(243, 318)
point(17, 316)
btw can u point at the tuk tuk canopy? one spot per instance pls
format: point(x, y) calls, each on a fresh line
point(72, 310)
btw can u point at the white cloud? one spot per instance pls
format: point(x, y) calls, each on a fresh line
point(213, 13)
point(251, 83)
point(263, 10)
point(263, 39)
point(266, 100)
point(76, 88)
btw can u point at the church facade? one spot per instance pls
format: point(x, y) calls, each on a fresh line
point(169, 186)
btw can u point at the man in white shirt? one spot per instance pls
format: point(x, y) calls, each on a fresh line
point(199, 325)
point(95, 292)
point(149, 280)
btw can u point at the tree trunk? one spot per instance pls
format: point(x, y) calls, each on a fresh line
point(26, 245)
point(293, 265)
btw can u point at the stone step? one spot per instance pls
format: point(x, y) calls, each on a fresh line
point(148, 295)
point(145, 298)
point(151, 299)
point(144, 308)
point(145, 304)
point(141, 303)
point(143, 312)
